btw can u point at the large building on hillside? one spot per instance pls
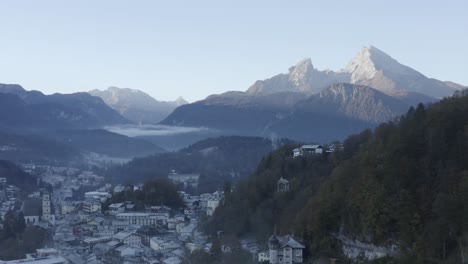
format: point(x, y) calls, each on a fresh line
point(39, 209)
point(307, 150)
point(284, 250)
point(187, 180)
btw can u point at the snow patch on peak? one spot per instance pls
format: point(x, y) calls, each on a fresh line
point(300, 73)
point(371, 60)
point(180, 101)
point(302, 66)
point(362, 66)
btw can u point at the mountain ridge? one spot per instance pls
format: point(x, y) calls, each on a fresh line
point(137, 105)
point(371, 66)
point(34, 110)
point(332, 114)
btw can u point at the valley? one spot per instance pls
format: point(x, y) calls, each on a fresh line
point(365, 165)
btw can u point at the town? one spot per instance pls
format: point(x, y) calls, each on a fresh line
point(83, 225)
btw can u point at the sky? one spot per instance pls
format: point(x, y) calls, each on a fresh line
point(197, 48)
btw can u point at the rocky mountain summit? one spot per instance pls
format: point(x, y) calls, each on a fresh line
point(136, 105)
point(371, 67)
point(311, 104)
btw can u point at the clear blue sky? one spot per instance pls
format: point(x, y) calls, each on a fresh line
point(197, 48)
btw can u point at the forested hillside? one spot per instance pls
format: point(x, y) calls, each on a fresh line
point(15, 176)
point(403, 184)
point(35, 148)
point(216, 159)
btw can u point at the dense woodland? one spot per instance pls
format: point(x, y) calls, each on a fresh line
point(15, 176)
point(16, 239)
point(41, 150)
point(155, 192)
point(404, 183)
point(216, 159)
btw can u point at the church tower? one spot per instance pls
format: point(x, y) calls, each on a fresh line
point(46, 206)
point(273, 246)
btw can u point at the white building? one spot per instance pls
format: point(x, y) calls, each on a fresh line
point(39, 260)
point(3, 182)
point(68, 207)
point(38, 209)
point(92, 205)
point(284, 250)
point(282, 185)
point(142, 219)
point(211, 206)
point(47, 214)
point(42, 256)
point(116, 208)
point(119, 188)
point(297, 152)
point(103, 196)
point(186, 230)
point(307, 149)
point(159, 244)
point(263, 256)
point(128, 238)
point(185, 179)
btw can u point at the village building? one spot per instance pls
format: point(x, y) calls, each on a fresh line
point(69, 207)
point(211, 206)
point(128, 238)
point(102, 196)
point(116, 208)
point(263, 257)
point(307, 150)
point(282, 185)
point(284, 250)
point(36, 209)
point(187, 180)
point(297, 152)
point(139, 219)
point(92, 205)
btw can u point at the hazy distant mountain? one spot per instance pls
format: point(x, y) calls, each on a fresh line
point(371, 67)
point(337, 111)
point(33, 109)
point(136, 105)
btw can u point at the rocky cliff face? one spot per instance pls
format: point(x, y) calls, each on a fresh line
point(303, 78)
point(371, 67)
point(374, 68)
point(355, 101)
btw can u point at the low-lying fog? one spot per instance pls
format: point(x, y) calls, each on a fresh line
point(170, 138)
point(154, 130)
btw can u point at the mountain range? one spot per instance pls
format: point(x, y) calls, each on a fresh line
point(304, 104)
point(371, 67)
point(398, 190)
point(136, 105)
point(35, 110)
point(312, 105)
point(61, 128)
